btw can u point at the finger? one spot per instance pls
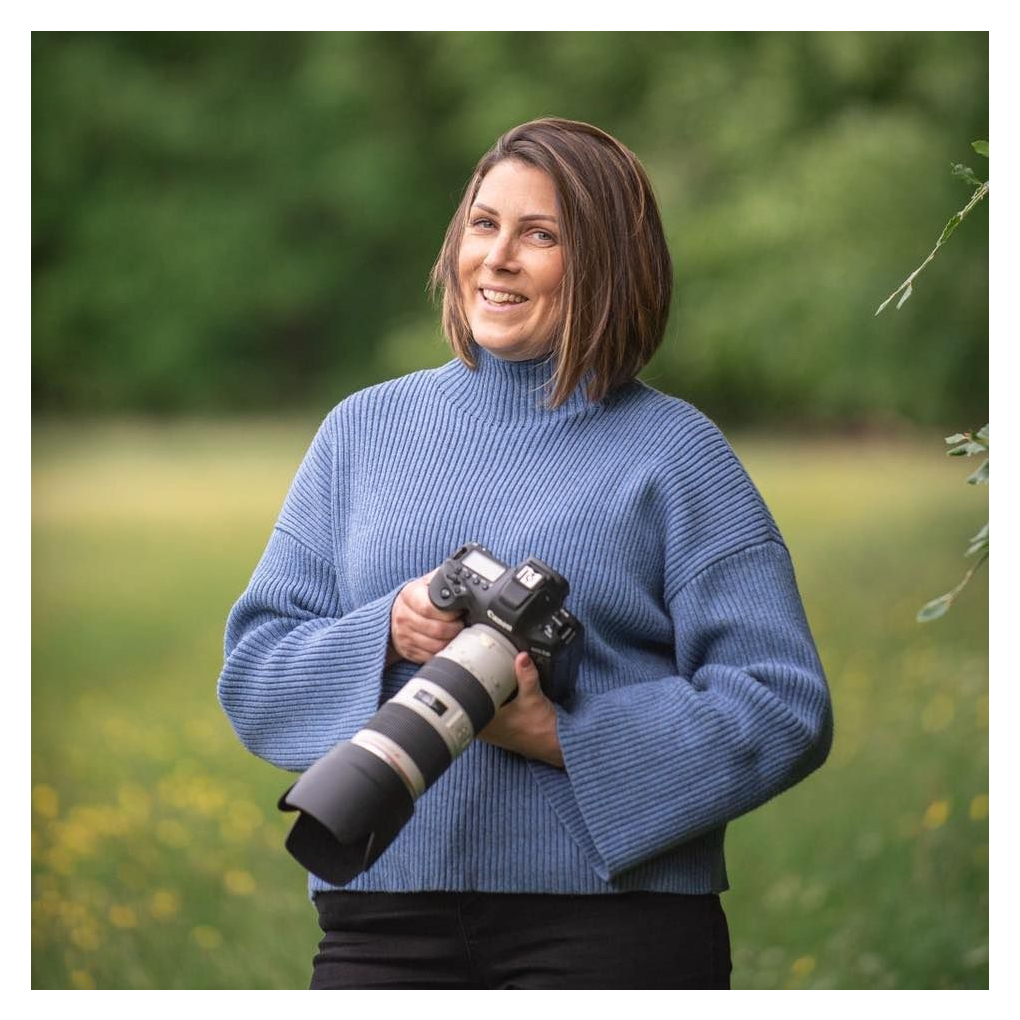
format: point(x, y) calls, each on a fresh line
point(527, 674)
point(419, 649)
point(437, 630)
point(423, 649)
point(413, 629)
point(431, 626)
point(446, 633)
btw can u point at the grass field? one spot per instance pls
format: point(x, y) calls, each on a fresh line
point(157, 852)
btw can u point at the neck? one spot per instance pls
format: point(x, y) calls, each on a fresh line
point(510, 391)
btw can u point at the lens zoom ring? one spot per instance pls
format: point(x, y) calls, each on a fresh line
point(463, 688)
point(405, 727)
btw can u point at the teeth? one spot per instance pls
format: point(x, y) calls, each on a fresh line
point(500, 298)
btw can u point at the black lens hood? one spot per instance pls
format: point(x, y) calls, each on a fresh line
point(352, 806)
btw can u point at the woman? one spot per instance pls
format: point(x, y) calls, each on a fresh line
point(576, 844)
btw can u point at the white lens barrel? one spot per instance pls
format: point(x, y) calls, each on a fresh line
point(488, 657)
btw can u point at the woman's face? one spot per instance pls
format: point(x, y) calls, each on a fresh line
point(511, 262)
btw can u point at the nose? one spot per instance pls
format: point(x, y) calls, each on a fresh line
point(501, 254)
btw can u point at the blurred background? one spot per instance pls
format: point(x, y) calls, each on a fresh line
point(231, 232)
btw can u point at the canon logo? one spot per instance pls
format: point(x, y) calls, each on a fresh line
point(495, 619)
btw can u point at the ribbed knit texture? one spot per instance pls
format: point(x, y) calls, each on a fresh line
point(699, 694)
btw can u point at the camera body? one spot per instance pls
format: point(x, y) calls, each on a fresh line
point(524, 604)
point(354, 801)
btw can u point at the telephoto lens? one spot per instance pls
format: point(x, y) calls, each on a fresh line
point(355, 800)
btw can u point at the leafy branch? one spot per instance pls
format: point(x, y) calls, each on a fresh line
point(964, 172)
point(964, 444)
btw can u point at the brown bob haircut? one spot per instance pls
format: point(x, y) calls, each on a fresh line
point(618, 275)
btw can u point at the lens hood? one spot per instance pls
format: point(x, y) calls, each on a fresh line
point(352, 806)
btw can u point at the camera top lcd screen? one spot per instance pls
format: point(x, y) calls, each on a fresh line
point(482, 565)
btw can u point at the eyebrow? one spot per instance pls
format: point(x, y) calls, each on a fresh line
point(530, 216)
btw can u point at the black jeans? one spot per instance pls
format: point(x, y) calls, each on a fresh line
point(507, 940)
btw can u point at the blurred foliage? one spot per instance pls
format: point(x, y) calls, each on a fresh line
point(246, 221)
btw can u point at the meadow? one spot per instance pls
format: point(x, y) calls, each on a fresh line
point(157, 850)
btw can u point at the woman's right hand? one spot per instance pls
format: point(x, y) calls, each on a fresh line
point(417, 628)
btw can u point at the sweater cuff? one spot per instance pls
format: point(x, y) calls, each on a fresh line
point(366, 637)
point(293, 701)
point(654, 764)
point(556, 786)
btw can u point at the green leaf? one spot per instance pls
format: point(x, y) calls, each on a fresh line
point(978, 544)
point(971, 443)
point(967, 449)
point(907, 284)
point(980, 477)
point(959, 170)
point(981, 148)
point(934, 609)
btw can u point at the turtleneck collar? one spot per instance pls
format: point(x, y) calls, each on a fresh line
point(509, 392)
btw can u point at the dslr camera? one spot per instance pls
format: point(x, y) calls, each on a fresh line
point(354, 800)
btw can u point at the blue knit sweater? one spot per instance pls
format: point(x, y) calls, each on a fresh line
point(699, 694)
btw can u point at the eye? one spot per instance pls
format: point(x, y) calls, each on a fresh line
point(486, 223)
point(543, 236)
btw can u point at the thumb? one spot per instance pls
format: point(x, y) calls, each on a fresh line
point(527, 673)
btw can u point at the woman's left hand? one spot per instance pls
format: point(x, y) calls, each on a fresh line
point(527, 725)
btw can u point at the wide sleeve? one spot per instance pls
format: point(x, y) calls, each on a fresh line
point(299, 673)
point(651, 765)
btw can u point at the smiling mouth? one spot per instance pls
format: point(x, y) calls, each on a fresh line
point(501, 297)
point(503, 306)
